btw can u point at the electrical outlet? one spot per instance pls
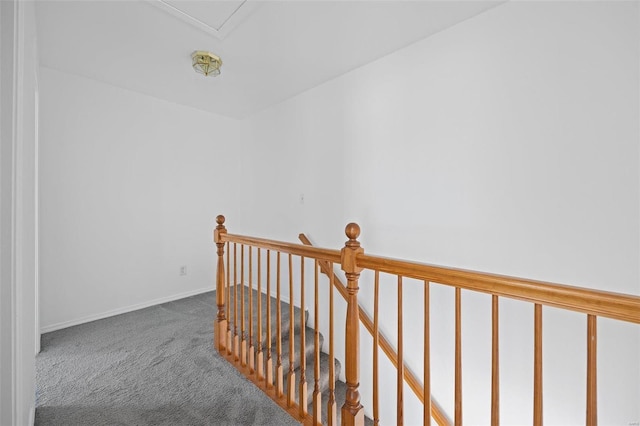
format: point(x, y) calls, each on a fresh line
point(183, 270)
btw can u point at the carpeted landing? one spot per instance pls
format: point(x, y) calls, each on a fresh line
point(155, 366)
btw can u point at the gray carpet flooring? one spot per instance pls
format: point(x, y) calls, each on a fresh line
point(155, 366)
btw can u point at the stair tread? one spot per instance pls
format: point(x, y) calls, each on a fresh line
point(323, 383)
point(284, 314)
point(309, 349)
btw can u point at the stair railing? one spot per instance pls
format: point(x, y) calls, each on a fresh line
point(380, 341)
point(353, 261)
point(236, 340)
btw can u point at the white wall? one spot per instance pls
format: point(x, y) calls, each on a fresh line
point(130, 187)
point(18, 215)
point(509, 144)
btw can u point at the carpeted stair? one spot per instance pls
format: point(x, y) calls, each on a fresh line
point(340, 387)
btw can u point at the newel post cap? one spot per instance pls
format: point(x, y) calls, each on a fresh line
point(351, 249)
point(220, 229)
point(352, 231)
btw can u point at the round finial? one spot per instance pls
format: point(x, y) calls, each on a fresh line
point(352, 231)
point(220, 219)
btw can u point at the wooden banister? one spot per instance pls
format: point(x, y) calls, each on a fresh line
point(592, 364)
point(457, 417)
point(495, 363)
point(282, 247)
point(317, 395)
point(352, 410)
point(353, 260)
point(537, 366)
point(400, 375)
point(221, 327)
point(411, 379)
point(260, 357)
point(593, 302)
point(251, 356)
point(243, 340)
point(236, 338)
point(426, 411)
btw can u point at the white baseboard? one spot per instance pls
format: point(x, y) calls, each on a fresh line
point(32, 415)
point(124, 310)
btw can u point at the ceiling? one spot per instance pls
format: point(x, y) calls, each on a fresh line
point(271, 50)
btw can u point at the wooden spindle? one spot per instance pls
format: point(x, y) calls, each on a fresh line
point(495, 363)
point(332, 412)
point(291, 376)
point(537, 369)
point(302, 391)
point(243, 344)
point(229, 334)
point(592, 365)
point(376, 344)
point(458, 362)
point(251, 355)
point(352, 410)
point(317, 396)
point(426, 413)
point(220, 328)
point(236, 338)
point(279, 370)
point(260, 354)
point(269, 368)
point(400, 372)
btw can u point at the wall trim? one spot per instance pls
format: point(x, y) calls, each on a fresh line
point(123, 310)
point(32, 415)
point(9, 387)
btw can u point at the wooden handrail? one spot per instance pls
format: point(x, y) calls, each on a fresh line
point(593, 302)
point(321, 254)
point(411, 379)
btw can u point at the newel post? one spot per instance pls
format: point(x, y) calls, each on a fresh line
point(221, 321)
point(352, 410)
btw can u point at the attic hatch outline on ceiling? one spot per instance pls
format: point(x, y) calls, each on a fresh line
point(243, 10)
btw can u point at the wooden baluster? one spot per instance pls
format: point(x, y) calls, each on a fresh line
point(260, 355)
point(332, 412)
point(251, 354)
point(269, 375)
point(317, 396)
point(291, 377)
point(537, 372)
point(495, 363)
point(426, 414)
point(243, 344)
point(376, 343)
point(236, 338)
point(229, 337)
point(458, 363)
point(592, 365)
point(220, 328)
point(279, 372)
point(302, 392)
point(352, 410)
point(400, 372)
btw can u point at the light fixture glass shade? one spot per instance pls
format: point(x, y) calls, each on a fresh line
point(206, 63)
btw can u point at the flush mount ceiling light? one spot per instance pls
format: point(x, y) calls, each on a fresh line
point(206, 63)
